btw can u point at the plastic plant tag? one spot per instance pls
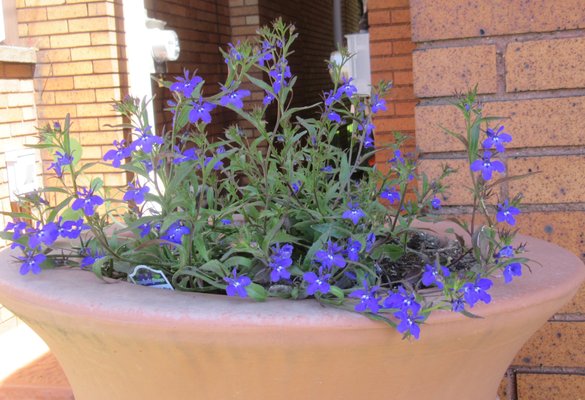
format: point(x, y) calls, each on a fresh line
point(146, 276)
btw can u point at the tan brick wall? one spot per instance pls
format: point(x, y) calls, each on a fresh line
point(527, 60)
point(17, 122)
point(81, 69)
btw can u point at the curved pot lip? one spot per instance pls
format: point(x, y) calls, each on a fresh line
point(555, 273)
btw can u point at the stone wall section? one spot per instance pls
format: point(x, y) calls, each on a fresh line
point(81, 70)
point(527, 60)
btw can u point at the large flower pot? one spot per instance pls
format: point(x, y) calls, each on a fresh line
point(120, 341)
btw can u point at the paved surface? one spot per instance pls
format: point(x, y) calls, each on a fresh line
point(28, 371)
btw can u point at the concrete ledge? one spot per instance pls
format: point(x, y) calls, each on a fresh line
point(14, 54)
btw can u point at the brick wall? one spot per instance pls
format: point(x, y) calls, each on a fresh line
point(391, 60)
point(527, 59)
point(80, 71)
point(202, 26)
point(17, 121)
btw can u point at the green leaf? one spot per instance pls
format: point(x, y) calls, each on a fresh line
point(256, 292)
point(200, 247)
point(337, 292)
point(392, 251)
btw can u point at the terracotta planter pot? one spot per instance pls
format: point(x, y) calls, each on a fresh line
point(119, 341)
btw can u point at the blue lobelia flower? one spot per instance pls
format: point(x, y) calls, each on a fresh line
point(436, 203)
point(378, 104)
point(477, 291)
point(330, 97)
point(265, 54)
point(280, 74)
point(280, 261)
point(62, 160)
point(496, 139)
point(226, 221)
point(175, 232)
point(506, 213)
point(402, 300)
point(487, 166)
point(368, 298)
point(201, 112)
point(233, 53)
point(392, 195)
point(186, 85)
point(234, 98)
point(346, 88)
point(190, 154)
point(31, 263)
point(353, 213)
point(146, 141)
point(91, 257)
point(218, 164)
point(370, 240)
point(457, 305)
point(87, 201)
point(17, 228)
point(296, 186)
point(237, 284)
point(71, 229)
point(268, 99)
point(327, 169)
point(145, 229)
point(136, 193)
point(331, 257)
point(42, 235)
point(368, 129)
point(353, 249)
point(317, 283)
point(434, 275)
point(334, 117)
point(118, 154)
point(409, 322)
point(512, 269)
point(506, 251)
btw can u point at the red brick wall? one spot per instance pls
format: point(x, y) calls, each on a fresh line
point(527, 59)
point(202, 26)
point(391, 60)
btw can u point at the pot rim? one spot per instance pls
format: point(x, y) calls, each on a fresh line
point(555, 273)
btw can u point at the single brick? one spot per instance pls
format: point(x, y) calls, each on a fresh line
point(92, 24)
point(444, 71)
point(379, 17)
point(93, 53)
point(70, 40)
point(67, 11)
point(437, 20)
point(395, 124)
point(46, 28)
point(378, 4)
point(532, 123)
point(403, 47)
point(550, 386)
point(98, 38)
point(101, 8)
point(57, 83)
point(545, 64)
point(96, 81)
point(56, 112)
point(72, 68)
point(75, 96)
point(95, 109)
point(560, 179)
point(389, 32)
point(31, 14)
point(380, 49)
point(108, 95)
point(400, 16)
point(554, 345)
